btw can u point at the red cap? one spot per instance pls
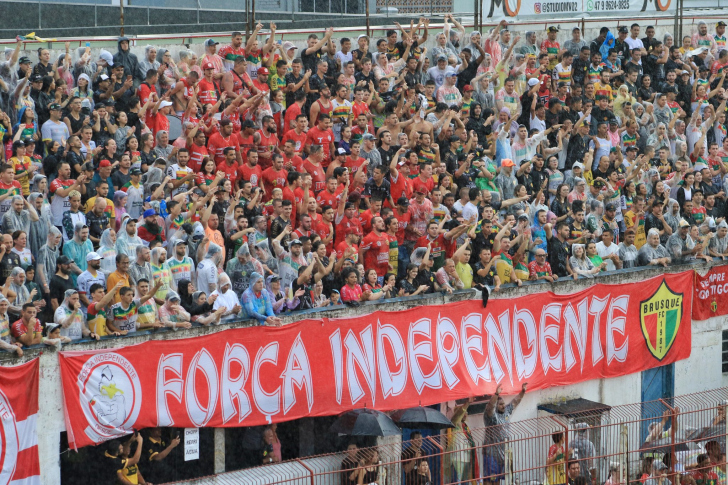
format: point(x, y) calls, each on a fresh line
point(208, 65)
point(350, 230)
point(468, 88)
point(263, 71)
point(104, 163)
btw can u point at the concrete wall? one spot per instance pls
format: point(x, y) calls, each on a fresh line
point(704, 362)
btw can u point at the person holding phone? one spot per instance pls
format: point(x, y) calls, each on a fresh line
point(156, 450)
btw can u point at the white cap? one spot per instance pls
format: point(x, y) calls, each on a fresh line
point(106, 56)
point(532, 82)
point(165, 103)
point(93, 257)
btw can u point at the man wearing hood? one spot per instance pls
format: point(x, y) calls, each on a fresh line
point(241, 268)
point(127, 239)
point(141, 267)
point(226, 298)
point(150, 62)
point(46, 259)
point(130, 62)
point(207, 274)
point(718, 246)
point(257, 303)
point(181, 266)
point(160, 271)
point(77, 249)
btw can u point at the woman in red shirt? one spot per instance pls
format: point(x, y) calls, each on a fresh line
point(206, 175)
point(370, 285)
point(351, 291)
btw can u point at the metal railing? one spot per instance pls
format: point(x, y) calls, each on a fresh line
point(379, 13)
point(615, 444)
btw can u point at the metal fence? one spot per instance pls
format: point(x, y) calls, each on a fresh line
point(613, 445)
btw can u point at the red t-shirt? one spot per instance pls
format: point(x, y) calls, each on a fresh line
point(346, 223)
point(299, 139)
point(157, 122)
point(326, 198)
point(293, 163)
point(19, 329)
point(351, 294)
point(341, 251)
point(401, 187)
point(289, 195)
point(353, 165)
point(292, 112)
point(217, 143)
point(273, 179)
point(145, 91)
point(251, 174)
point(232, 172)
point(377, 255)
point(245, 143)
point(207, 93)
point(197, 153)
point(438, 245)
point(266, 147)
point(321, 137)
point(366, 220)
point(403, 221)
point(318, 175)
point(324, 229)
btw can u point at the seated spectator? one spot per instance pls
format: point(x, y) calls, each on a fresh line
point(352, 290)
point(539, 268)
point(6, 343)
point(205, 317)
point(281, 302)
point(256, 302)
point(52, 336)
point(227, 299)
point(653, 253)
point(581, 264)
point(172, 314)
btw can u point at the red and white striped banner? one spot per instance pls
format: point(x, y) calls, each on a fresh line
point(18, 419)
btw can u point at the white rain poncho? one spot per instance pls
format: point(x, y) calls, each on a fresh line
point(74, 328)
point(134, 201)
point(126, 244)
point(107, 250)
point(207, 275)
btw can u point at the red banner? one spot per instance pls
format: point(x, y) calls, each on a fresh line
point(18, 417)
point(384, 360)
point(711, 294)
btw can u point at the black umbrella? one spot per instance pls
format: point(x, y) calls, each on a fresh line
point(663, 445)
point(420, 417)
point(365, 422)
point(710, 433)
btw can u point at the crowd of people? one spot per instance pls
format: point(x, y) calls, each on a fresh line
point(348, 170)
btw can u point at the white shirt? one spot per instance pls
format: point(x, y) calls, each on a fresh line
point(634, 43)
point(206, 275)
point(84, 282)
point(228, 300)
point(604, 251)
point(469, 210)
